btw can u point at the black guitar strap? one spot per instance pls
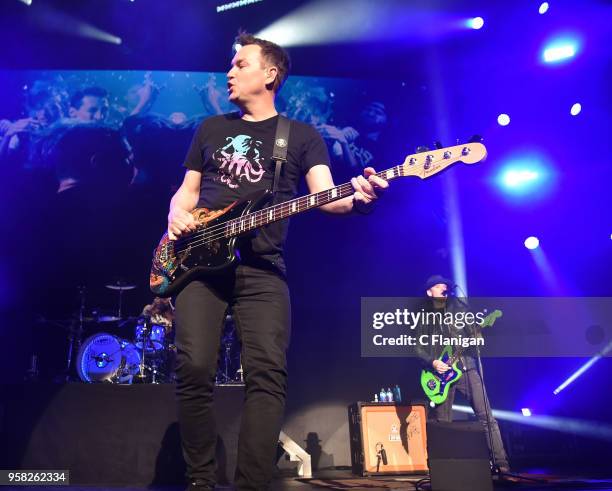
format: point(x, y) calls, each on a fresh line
point(281, 143)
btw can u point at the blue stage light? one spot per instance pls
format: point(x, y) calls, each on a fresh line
point(594, 429)
point(576, 108)
point(503, 119)
point(525, 175)
point(475, 23)
point(532, 243)
point(584, 367)
point(515, 178)
point(543, 8)
point(560, 50)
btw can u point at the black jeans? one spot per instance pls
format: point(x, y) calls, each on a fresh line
point(470, 385)
point(261, 308)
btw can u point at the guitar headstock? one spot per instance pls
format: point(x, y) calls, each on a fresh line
point(490, 319)
point(428, 163)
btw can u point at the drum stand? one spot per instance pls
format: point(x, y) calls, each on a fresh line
point(228, 348)
point(153, 368)
point(145, 338)
point(224, 376)
point(240, 374)
point(75, 333)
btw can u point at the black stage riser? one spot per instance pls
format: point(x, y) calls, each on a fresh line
point(105, 434)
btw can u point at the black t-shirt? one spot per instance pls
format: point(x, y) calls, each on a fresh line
point(235, 159)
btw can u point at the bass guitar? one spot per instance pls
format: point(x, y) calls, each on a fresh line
point(437, 385)
point(212, 246)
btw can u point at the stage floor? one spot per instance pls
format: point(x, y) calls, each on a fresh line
point(342, 479)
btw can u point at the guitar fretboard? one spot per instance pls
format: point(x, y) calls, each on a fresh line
point(286, 209)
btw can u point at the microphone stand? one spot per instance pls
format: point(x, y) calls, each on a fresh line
point(488, 413)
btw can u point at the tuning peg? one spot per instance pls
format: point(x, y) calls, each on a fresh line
point(475, 139)
point(421, 149)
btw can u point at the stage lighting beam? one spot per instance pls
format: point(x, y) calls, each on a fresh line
point(475, 23)
point(532, 243)
point(583, 368)
point(503, 119)
point(582, 427)
point(560, 50)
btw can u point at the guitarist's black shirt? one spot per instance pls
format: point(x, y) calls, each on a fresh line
point(235, 159)
point(431, 351)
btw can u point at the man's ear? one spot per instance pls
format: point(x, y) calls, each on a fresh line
point(429, 294)
point(271, 74)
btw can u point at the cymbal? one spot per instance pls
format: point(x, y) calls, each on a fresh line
point(120, 287)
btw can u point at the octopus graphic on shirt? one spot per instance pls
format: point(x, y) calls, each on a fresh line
point(240, 158)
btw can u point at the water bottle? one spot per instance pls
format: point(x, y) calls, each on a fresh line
point(389, 395)
point(382, 396)
point(397, 394)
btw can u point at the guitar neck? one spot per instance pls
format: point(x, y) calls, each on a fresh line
point(422, 165)
point(265, 216)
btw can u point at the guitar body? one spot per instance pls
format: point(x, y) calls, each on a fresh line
point(437, 385)
point(176, 263)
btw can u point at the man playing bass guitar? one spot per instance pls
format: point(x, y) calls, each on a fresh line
point(229, 159)
point(467, 378)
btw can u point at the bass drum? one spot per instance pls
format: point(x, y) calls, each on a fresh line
point(107, 358)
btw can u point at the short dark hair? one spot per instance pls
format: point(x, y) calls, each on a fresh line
point(77, 99)
point(272, 53)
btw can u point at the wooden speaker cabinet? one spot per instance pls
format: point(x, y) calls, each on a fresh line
point(398, 428)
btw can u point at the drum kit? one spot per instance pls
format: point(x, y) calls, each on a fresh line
point(147, 355)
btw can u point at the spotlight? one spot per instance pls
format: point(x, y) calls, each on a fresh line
point(503, 120)
point(27, 2)
point(516, 178)
point(475, 23)
point(532, 243)
point(543, 8)
point(526, 412)
point(526, 174)
point(576, 108)
point(559, 51)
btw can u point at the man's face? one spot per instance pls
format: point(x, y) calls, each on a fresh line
point(248, 76)
point(373, 116)
point(92, 108)
point(438, 291)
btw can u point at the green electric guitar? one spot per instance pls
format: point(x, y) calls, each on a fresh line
point(437, 385)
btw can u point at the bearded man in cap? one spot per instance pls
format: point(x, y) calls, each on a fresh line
point(439, 300)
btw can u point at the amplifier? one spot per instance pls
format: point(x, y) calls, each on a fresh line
point(388, 438)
